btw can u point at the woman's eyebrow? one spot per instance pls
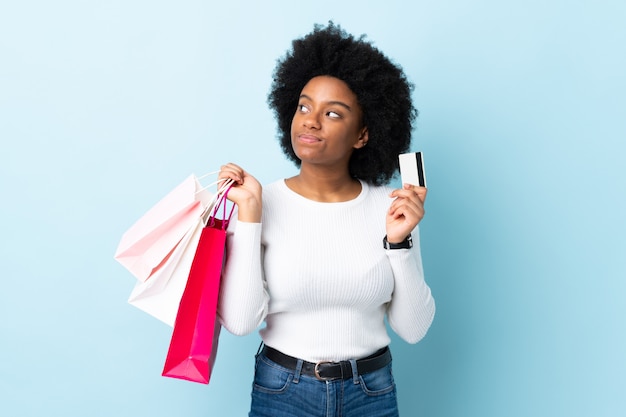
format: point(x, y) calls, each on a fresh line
point(332, 102)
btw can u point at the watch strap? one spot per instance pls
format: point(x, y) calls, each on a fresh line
point(407, 243)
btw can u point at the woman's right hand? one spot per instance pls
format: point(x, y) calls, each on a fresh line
point(245, 192)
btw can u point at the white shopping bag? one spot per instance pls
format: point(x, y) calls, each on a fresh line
point(160, 295)
point(151, 240)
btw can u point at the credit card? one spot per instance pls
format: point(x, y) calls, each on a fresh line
point(412, 168)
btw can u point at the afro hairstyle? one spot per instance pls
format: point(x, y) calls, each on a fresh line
point(381, 88)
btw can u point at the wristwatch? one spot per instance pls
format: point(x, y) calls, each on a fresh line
point(407, 243)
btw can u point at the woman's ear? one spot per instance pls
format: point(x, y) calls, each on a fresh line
point(363, 138)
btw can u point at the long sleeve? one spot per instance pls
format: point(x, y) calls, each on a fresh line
point(412, 307)
point(243, 300)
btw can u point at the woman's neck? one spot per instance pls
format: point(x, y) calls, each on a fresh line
point(325, 188)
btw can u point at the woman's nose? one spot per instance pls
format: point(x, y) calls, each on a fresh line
point(311, 120)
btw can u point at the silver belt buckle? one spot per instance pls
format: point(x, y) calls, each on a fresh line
point(316, 371)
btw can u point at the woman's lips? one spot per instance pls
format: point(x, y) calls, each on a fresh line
point(308, 138)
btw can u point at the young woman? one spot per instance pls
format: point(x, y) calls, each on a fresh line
point(323, 257)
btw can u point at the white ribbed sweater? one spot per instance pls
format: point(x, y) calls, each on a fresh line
point(318, 274)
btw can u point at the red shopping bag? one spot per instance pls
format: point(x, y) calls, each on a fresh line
point(193, 346)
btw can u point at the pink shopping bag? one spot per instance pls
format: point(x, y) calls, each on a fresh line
point(194, 341)
point(160, 295)
point(147, 244)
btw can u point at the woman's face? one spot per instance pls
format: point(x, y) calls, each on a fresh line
point(327, 125)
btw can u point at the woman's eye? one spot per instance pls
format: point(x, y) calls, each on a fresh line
point(302, 108)
point(333, 115)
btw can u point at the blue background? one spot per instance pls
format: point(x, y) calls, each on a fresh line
point(105, 106)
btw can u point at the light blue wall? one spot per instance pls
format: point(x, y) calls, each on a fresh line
point(106, 105)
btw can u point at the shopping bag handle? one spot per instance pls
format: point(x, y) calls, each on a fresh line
point(222, 202)
point(200, 178)
point(207, 174)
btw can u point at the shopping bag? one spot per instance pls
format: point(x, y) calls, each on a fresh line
point(149, 242)
point(194, 341)
point(160, 295)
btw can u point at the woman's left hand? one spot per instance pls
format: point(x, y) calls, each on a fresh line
point(405, 212)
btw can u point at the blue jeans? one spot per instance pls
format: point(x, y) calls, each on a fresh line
point(281, 392)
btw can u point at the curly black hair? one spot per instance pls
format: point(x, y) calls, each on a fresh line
point(381, 87)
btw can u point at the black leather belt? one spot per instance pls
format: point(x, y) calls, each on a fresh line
point(325, 370)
